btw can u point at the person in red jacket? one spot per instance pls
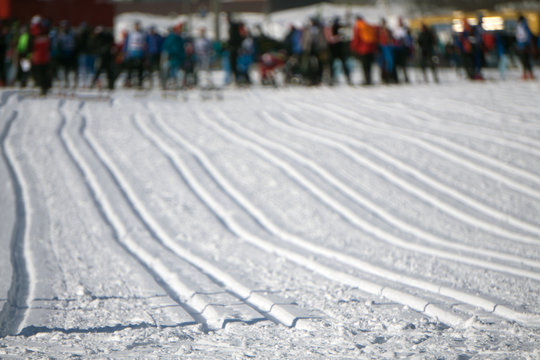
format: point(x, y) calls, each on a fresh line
point(41, 56)
point(364, 45)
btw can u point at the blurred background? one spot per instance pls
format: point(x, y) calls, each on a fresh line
point(267, 28)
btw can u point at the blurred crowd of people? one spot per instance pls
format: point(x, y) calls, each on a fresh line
point(474, 44)
point(316, 53)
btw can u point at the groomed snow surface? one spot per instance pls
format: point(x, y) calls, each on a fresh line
point(299, 223)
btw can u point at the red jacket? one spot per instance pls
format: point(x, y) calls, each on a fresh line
point(384, 36)
point(41, 50)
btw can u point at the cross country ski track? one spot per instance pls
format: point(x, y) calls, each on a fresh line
point(153, 213)
point(15, 304)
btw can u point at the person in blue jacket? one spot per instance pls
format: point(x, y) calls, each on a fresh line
point(66, 52)
point(173, 56)
point(293, 49)
point(155, 43)
point(135, 48)
point(503, 44)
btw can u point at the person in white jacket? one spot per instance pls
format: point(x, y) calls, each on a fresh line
point(204, 53)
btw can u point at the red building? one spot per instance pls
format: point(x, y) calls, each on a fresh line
point(94, 12)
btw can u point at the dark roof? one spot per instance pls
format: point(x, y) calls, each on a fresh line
point(278, 5)
point(165, 7)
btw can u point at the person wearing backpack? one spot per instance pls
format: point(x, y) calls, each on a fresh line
point(364, 45)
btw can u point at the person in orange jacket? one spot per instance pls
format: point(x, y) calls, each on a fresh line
point(364, 45)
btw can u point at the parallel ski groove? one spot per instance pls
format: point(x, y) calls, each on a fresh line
point(358, 221)
point(488, 305)
point(194, 300)
point(181, 291)
point(414, 190)
point(471, 153)
point(468, 129)
point(214, 319)
point(15, 309)
point(465, 130)
point(338, 142)
point(460, 161)
point(517, 138)
point(529, 319)
point(462, 155)
point(217, 191)
point(243, 292)
point(508, 118)
point(414, 302)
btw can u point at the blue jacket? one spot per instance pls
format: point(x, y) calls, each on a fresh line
point(155, 43)
point(135, 46)
point(65, 43)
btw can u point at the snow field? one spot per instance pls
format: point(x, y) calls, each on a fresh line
point(332, 211)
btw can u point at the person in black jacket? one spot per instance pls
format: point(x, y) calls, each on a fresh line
point(427, 42)
point(235, 43)
point(104, 42)
point(338, 49)
point(66, 51)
